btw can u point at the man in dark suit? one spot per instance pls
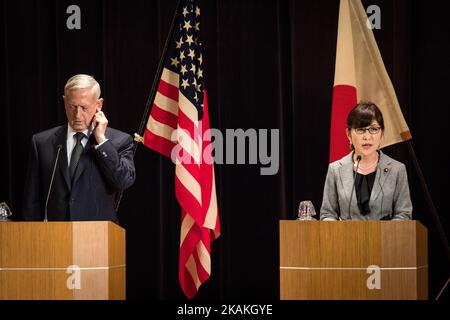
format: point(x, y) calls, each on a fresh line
point(94, 162)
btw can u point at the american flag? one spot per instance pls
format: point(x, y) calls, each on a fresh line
point(178, 127)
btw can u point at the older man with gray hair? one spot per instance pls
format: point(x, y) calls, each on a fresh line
point(76, 170)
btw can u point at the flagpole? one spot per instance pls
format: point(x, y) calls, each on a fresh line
point(429, 200)
point(152, 94)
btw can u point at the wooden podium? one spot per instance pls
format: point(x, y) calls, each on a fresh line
point(353, 260)
point(62, 260)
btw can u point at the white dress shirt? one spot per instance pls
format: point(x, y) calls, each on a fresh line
point(71, 141)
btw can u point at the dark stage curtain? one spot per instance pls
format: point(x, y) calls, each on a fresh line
point(268, 65)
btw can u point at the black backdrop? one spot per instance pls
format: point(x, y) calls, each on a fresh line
point(268, 64)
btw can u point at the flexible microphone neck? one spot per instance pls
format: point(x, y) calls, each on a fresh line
point(51, 181)
point(358, 159)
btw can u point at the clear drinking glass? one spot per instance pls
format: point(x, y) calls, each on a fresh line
point(306, 210)
point(5, 212)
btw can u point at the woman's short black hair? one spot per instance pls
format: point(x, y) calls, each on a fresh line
point(363, 114)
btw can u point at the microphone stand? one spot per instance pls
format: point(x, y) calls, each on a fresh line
point(358, 159)
point(51, 181)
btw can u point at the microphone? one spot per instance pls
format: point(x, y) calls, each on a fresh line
point(51, 180)
point(389, 217)
point(358, 159)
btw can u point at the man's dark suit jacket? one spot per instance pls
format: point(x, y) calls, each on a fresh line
point(100, 174)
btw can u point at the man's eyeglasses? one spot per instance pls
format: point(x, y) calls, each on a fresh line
point(372, 130)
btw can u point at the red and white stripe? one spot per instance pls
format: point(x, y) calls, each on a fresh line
point(174, 122)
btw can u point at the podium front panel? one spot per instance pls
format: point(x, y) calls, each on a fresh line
point(353, 260)
point(62, 260)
